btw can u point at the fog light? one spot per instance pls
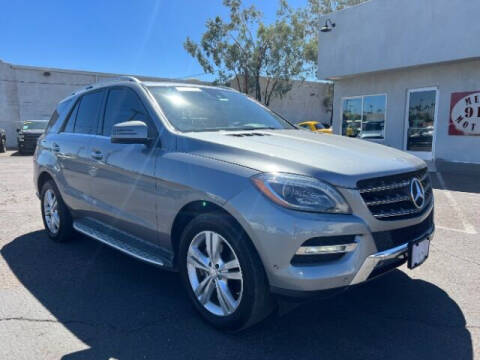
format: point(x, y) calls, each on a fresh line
point(326, 249)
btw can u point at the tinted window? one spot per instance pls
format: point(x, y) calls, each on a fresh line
point(87, 115)
point(122, 105)
point(71, 119)
point(53, 120)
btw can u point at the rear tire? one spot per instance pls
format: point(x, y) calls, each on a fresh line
point(238, 291)
point(55, 214)
point(3, 145)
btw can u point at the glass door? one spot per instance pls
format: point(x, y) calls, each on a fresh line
point(420, 122)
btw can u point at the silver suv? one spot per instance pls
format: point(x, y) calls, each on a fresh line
point(243, 204)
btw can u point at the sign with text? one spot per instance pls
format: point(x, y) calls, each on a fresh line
point(465, 114)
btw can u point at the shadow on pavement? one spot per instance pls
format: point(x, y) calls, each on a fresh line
point(18, 153)
point(456, 182)
point(126, 309)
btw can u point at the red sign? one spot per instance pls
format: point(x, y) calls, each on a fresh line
point(465, 114)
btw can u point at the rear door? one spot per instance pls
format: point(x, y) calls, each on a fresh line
point(71, 146)
point(123, 182)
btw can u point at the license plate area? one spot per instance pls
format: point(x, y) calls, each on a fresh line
point(418, 251)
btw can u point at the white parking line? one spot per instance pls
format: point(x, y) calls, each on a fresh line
point(453, 229)
point(468, 228)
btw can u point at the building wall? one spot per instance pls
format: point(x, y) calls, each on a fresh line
point(449, 78)
point(388, 34)
point(31, 93)
point(26, 93)
point(303, 102)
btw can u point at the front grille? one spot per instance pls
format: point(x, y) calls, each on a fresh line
point(385, 240)
point(388, 198)
point(31, 138)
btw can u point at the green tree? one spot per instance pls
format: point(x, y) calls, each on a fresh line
point(244, 48)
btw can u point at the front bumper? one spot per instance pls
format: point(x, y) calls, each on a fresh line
point(278, 233)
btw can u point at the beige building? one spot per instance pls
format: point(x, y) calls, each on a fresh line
point(304, 102)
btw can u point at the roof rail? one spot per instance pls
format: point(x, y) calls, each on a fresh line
point(128, 77)
point(108, 80)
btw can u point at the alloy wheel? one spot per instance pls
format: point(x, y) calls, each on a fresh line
point(214, 273)
point(50, 210)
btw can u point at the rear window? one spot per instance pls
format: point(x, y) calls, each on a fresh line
point(71, 119)
point(58, 116)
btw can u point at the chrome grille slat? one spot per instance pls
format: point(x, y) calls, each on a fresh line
point(398, 213)
point(389, 198)
point(387, 187)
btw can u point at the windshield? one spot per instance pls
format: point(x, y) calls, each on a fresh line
point(34, 125)
point(190, 108)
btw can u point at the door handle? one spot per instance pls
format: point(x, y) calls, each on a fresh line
point(56, 147)
point(97, 155)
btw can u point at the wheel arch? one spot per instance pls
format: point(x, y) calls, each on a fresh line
point(193, 209)
point(42, 179)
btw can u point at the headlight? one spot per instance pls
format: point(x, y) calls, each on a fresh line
point(301, 193)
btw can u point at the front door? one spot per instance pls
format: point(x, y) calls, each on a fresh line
point(123, 182)
point(421, 118)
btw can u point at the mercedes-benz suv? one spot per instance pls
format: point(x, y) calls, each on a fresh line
point(206, 181)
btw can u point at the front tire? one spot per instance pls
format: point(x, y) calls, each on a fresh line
point(222, 273)
point(55, 214)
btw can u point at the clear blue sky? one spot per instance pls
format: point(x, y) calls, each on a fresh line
point(143, 37)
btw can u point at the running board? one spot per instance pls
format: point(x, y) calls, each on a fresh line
point(126, 243)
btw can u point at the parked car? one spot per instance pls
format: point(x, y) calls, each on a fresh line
point(28, 134)
point(205, 181)
point(3, 141)
point(316, 126)
point(372, 130)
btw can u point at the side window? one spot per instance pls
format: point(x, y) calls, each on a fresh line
point(87, 114)
point(71, 119)
point(53, 120)
point(123, 105)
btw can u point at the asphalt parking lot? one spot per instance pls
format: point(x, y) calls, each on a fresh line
point(83, 300)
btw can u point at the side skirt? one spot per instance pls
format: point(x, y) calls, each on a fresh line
point(126, 243)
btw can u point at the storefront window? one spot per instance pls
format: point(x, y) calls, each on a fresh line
point(364, 117)
point(421, 117)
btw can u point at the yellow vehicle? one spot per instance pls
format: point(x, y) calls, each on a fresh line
point(315, 126)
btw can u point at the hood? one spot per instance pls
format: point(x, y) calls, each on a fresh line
point(339, 160)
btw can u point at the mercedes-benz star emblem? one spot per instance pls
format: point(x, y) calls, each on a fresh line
point(417, 193)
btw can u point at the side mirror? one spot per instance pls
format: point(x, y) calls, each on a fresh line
point(18, 130)
point(130, 132)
